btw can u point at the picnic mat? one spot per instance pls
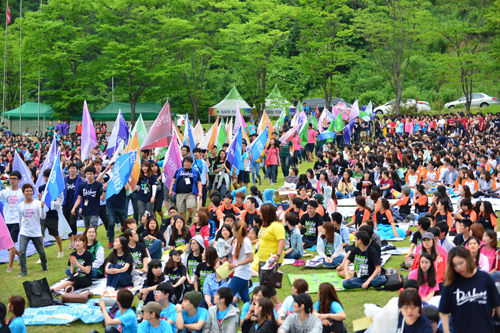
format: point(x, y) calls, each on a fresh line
point(97, 288)
point(314, 280)
point(30, 250)
point(61, 315)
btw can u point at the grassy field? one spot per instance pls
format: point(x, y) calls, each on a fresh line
point(12, 285)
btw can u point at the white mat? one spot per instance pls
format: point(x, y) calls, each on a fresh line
point(97, 288)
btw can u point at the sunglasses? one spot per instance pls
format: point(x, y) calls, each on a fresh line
point(157, 292)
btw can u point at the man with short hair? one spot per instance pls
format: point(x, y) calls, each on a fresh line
point(226, 208)
point(125, 320)
point(71, 184)
point(190, 317)
point(309, 225)
point(162, 295)
point(12, 197)
point(249, 214)
point(89, 192)
point(201, 165)
point(292, 178)
point(187, 187)
point(341, 229)
point(152, 322)
point(301, 320)
point(30, 212)
point(222, 317)
point(185, 150)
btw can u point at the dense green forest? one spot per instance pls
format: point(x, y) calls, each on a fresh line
point(194, 51)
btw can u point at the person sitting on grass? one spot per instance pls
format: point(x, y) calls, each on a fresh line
point(299, 286)
point(163, 293)
point(223, 316)
point(80, 263)
point(423, 224)
point(191, 317)
point(151, 323)
point(125, 320)
point(119, 265)
point(302, 320)
point(401, 208)
point(330, 246)
point(426, 277)
point(329, 309)
point(463, 232)
point(154, 277)
point(16, 307)
point(309, 224)
point(247, 311)
point(410, 317)
point(293, 241)
point(366, 265)
point(97, 250)
point(262, 311)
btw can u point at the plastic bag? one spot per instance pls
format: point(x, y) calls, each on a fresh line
point(384, 320)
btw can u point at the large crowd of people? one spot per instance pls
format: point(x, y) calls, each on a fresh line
point(179, 234)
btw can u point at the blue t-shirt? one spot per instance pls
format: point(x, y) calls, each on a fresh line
point(164, 327)
point(18, 326)
point(91, 193)
point(334, 308)
point(129, 321)
point(221, 315)
point(251, 129)
point(244, 157)
point(170, 314)
point(422, 325)
point(201, 314)
point(246, 308)
point(185, 176)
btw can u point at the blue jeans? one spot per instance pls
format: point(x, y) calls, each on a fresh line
point(23, 244)
point(295, 254)
point(386, 193)
point(115, 215)
point(238, 285)
point(285, 165)
point(255, 169)
point(155, 250)
point(356, 283)
point(344, 196)
point(337, 261)
point(271, 172)
point(133, 197)
point(120, 279)
point(296, 157)
point(95, 273)
point(185, 331)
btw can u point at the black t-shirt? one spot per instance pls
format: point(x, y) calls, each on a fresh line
point(157, 235)
point(179, 241)
point(470, 302)
point(319, 165)
point(310, 226)
point(125, 259)
point(249, 217)
point(192, 263)
point(85, 260)
point(341, 168)
point(52, 213)
point(202, 271)
point(118, 200)
point(364, 262)
point(164, 224)
point(91, 193)
point(146, 187)
point(416, 238)
point(422, 325)
point(459, 240)
point(175, 274)
point(138, 254)
point(183, 185)
point(70, 191)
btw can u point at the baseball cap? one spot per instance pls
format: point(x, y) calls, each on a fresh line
point(152, 307)
point(174, 252)
point(304, 299)
point(427, 235)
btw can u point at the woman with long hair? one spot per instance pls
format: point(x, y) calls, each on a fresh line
point(345, 187)
point(480, 260)
point(154, 277)
point(242, 255)
point(271, 242)
point(487, 216)
point(443, 212)
point(16, 307)
point(329, 308)
point(140, 254)
point(158, 204)
point(222, 169)
point(437, 255)
point(257, 195)
point(490, 250)
point(383, 216)
point(200, 226)
point(330, 246)
point(176, 272)
point(322, 182)
point(425, 275)
point(205, 268)
point(266, 322)
point(361, 213)
point(180, 235)
point(272, 160)
point(119, 265)
point(153, 238)
point(147, 189)
point(97, 250)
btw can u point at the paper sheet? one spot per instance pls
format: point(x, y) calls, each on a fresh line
point(224, 271)
point(361, 324)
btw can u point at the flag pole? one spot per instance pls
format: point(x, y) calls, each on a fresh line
point(39, 57)
point(20, 67)
point(4, 66)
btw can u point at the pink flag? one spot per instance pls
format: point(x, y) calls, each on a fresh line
point(5, 240)
point(354, 111)
point(344, 109)
point(335, 112)
point(160, 134)
point(89, 139)
point(172, 163)
point(288, 135)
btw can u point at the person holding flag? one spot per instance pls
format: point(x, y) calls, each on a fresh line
point(88, 194)
point(71, 184)
point(187, 186)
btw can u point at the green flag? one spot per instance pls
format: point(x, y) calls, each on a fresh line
point(313, 121)
point(140, 128)
point(221, 137)
point(338, 125)
point(367, 114)
point(280, 120)
point(162, 152)
point(303, 132)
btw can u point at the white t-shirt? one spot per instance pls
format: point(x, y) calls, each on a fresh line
point(11, 200)
point(244, 272)
point(29, 218)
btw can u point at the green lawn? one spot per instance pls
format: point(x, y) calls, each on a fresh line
point(12, 285)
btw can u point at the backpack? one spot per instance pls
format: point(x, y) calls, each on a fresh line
point(394, 282)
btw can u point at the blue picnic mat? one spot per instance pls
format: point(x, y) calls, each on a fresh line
point(61, 315)
point(30, 250)
point(385, 232)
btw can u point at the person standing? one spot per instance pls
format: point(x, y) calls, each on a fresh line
point(187, 187)
point(12, 197)
point(30, 213)
point(242, 254)
point(202, 167)
point(285, 156)
point(50, 129)
point(71, 185)
point(311, 142)
point(89, 192)
point(272, 152)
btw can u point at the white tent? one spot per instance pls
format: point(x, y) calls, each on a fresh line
point(275, 103)
point(227, 107)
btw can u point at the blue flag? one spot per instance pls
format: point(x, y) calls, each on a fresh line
point(20, 166)
point(326, 135)
point(257, 147)
point(234, 152)
point(348, 131)
point(188, 136)
point(55, 184)
point(121, 173)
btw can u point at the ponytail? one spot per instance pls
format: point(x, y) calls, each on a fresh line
point(241, 229)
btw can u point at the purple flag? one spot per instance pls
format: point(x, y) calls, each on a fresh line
point(20, 166)
point(354, 111)
point(48, 163)
point(5, 240)
point(348, 131)
point(172, 162)
point(89, 139)
point(120, 132)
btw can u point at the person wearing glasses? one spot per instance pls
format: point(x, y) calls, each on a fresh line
point(162, 295)
point(12, 197)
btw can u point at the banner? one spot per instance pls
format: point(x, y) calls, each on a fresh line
point(121, 173)
point(326, 135)
point(119, 133)
point(160, 135)
point(20, 166)
point(55, 185)
point(140, 129)
point(348, 131)
point(48, 163)
point(256, 149)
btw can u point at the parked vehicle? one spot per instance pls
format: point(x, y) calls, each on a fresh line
point(478, 100)
point(389, 106)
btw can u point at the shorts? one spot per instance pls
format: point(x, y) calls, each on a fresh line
point(159, 203)
point(50, 224)
point(244, 177)
point(310, 147)
point(185, 201)
point(363, 134)
point(13, 231)
point(166, 193)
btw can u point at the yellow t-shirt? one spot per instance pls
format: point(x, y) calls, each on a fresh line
point(269, 239)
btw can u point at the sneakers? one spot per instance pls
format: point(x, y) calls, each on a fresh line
point(60, 254)
point(299, 263)
point(22, 274)
point(110, 289)
point(110, 246)
point(260, 182)
point(71, 246)
point(39, 261)
point(9, 269)
point(45, 269)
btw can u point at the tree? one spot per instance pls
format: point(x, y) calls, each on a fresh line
point(391, 29)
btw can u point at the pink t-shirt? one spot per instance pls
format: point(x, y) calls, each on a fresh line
point(424, 289)
point(490, 254)
point(296, 143)
point(312, 136)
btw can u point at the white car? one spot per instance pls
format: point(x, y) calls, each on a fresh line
point(478, 100)
point(389, 106)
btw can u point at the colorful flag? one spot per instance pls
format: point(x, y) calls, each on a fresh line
point(121, 173)
point(229, 130)
point(118, 152)
point(140, 129)
point(221, 137)
point(288, 135)
point(20, 166)
point(326, 135)
point(5, 240)
point(188, 135)
point(257, 147)
point(338, 124)
point(348, 131)
point(206, 138)
point(8, 20)
point(55, 184)
point(303, 133)
point(198, 133)
point(234, 151)
point(294, 121)
point(160, 134)
point(133, 146)
point(280, 121)
point(171, 163)
point(215, 134)
point(366, 115)
point(48, 163)
point(354, 111)
point(265, 121)
point(313, 121)
point(119, 133)
point(89, 139)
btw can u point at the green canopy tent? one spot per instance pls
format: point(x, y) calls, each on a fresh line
point(149, 111)
point(29, 110)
